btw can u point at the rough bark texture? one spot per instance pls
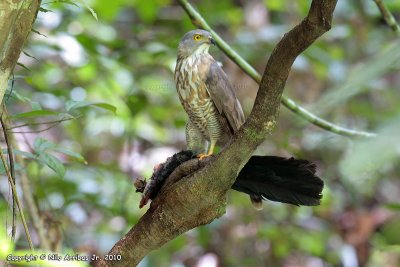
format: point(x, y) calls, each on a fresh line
point(16, 19)
point(199, 198)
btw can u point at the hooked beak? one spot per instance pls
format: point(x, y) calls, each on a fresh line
point(212, 41)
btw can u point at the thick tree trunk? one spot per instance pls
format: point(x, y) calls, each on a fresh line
point(199, 198)
point(16, 20)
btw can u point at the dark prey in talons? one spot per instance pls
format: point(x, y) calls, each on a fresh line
point(286, 180)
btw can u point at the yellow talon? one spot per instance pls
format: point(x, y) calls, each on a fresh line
point(203, 156)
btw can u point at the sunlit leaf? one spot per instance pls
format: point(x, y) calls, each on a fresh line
point(106, 106)
point(107, 10)
point(90, 9)
point(70, 2)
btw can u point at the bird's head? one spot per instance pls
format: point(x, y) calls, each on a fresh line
point(195, 42)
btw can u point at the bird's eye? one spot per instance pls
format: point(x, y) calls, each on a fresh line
point(197, 37)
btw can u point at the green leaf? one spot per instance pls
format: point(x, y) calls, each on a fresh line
point(29, 55)
point(40, 145)
point(70, 153)
point(90, 9)
point(53, 163)
point(37, 32)
point(106, 106)
point(72, 3)
point(34, 113)
point(44, 10)
point(72, 105)
point(22, 65)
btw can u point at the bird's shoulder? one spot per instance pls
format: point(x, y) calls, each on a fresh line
point(222, 93)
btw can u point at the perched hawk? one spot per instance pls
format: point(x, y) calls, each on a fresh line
point(215, 114)
point(206, 94)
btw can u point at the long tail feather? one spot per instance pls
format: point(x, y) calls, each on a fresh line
point(280, 179)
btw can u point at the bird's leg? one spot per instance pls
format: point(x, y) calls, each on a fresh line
point(194, 139)
point(209, 152)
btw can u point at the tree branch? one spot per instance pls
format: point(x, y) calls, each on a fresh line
point(388, 17)
point(200, 197)
point(200, 22)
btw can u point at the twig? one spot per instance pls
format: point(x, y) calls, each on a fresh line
point(36, 131)
point(388, 17)
point(14, 192)
point(33, 210)
point(42, 123)
point(29, 200)
point(55, 123)
point(199, 21)
point(12, 172)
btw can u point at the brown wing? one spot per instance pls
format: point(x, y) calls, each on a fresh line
point(223, 96)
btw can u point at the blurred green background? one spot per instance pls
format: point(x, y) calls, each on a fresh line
point(111, 82)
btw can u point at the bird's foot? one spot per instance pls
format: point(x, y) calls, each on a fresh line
point(202, 156)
